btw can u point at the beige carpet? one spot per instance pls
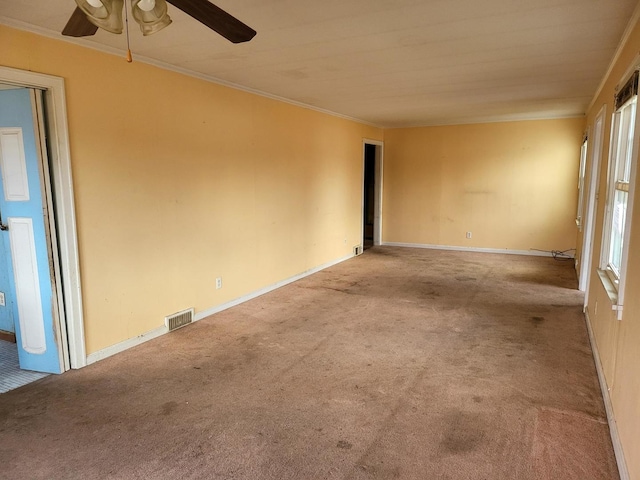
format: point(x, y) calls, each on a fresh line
point(398, 364)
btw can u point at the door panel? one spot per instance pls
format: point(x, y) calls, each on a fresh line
point(25, 242)
point(27, 282)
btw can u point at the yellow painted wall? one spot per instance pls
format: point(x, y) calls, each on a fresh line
point(618, 342)
point(513, 185)
point(179, 181)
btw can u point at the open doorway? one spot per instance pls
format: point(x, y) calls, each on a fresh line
point(372, 194)
point(40, 303)
point(29, 298)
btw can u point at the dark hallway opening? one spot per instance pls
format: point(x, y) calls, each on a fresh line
point(369, 194)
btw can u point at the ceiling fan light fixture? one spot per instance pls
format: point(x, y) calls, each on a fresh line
point(151, 15)
point(146, 5)
point(95, 3)
point(106, 14)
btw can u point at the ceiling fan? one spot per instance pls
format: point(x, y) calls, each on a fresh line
point(152, 17)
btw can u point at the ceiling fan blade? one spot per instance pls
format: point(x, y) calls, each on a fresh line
point(216, 19)
point(79, 25)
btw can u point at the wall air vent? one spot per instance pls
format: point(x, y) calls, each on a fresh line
point(357, 250)
point(179, 319)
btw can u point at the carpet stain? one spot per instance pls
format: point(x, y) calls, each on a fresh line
point(380, 471)
point(344, 445)
point(536, 320)
point(466, 279)
point(28, 412)
point(227, 368)
point(341, 290)
point(168, 408)
point(465, 433)
point(458, 361)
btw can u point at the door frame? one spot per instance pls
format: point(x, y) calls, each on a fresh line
point(377, 203)
point(63, 207)
point(588, 233)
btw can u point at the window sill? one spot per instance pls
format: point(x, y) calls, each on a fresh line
point(609, 286)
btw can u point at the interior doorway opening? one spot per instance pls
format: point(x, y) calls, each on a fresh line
point(45, 184)
point(30, 317)
point(372, 194)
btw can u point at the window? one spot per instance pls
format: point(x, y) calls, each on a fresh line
point(620, 189)
point(619, 176)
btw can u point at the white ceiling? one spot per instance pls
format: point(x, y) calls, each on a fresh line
point(389, 63)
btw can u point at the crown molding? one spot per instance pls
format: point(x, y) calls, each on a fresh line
point(18, 25)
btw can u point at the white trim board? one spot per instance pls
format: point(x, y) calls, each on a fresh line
point(126, 345)
point(250, 296)
point(613, 426)
point(156, 332)
point(534, 253)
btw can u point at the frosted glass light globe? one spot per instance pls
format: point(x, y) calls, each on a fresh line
point(146, 5)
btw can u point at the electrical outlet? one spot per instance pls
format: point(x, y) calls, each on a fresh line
point(2, 304)
point(218, 283)
point(468, 234)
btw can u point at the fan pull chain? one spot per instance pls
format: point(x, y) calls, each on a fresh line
point(126, 21)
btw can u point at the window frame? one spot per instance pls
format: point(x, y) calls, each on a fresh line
point(621, 176)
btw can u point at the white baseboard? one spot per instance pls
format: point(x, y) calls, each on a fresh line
point(156, 332)
point(127, 344)
point(210, 311)
point(613, 427)
point(535, 253)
